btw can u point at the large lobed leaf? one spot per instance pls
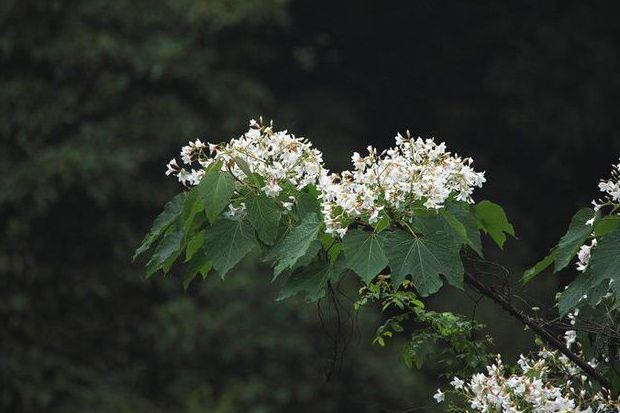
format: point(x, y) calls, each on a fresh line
point(462, 223)
point(227, 241)
point(494, 222)
point(578, 232)
point(364, 253)
point(425, 258)
point(264, 215)
point(600, 276)
point(167, 250)
point(294, 244)
point(562, 254)
point(171, 212)
point(605, 261)
point(312, 280)
point(215, 191)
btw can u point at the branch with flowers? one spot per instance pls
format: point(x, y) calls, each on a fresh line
point(405, 222)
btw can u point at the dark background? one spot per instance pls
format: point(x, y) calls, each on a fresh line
point(96, 96)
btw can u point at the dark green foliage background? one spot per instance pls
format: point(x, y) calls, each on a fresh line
point(95, 96)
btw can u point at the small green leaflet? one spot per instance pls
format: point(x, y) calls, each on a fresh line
point(382, 224)
point(198, 265)
point(493, 221)
point(264, 215)
point(311, 280)
point(243, 165)
point(215, 190)
point(540, 266)
point(167, 250)
point(227, 241)
point(424, 258)
point(171, 211)
point(462, 223)
point(294, 245)
point(364, 253)
point(194, 245)
point(578, 232)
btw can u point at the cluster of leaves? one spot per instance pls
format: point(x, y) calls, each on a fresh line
point(450, 339)
point(602, 272)
point(594, 292)
point(195, 228)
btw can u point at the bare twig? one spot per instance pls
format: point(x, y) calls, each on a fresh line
point(537, 327)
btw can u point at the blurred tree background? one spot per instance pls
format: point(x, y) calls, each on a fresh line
point(97, 95)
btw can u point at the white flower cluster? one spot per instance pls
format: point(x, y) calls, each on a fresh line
point(584, 255)
point(611, 187)
point(611, 190)
point(547, 383)
point(278, 157)
point(414, 172)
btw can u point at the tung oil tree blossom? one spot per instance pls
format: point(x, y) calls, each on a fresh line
point(404, 221)
point(416, 173)
point(546, 382)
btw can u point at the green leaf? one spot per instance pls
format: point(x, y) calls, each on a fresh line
point(307, 203)
point(334, 251)
point(311, 280)
point(171, 211)
point(243, 165)
point(602, 270)
point(194, 245)
point(575, 292)
point(264, 215)
point(429, 224)
point(198, 265)
point(494, 222)
point(364, 253)
point(608, 224)
point(538, 268)
point(215, 190)
point(193, 206)
point(167, 248)
point(463, 223)
point(382, 224)
point(227, 242)
point(294, 244)
point(310, 255)
point(424, 258)
point(578, 232)
point(605, 261)
point(455, 225)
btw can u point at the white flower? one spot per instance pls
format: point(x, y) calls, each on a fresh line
point(457, 383)
point(584, 255)
point(272, 188)
point(570, 337)
point(172, 167)
point(439, 396)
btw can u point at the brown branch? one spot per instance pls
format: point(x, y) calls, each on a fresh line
point(542, 332)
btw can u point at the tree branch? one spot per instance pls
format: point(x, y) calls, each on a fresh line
point(541, 331)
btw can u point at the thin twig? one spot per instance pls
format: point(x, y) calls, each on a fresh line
point(545, 335)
